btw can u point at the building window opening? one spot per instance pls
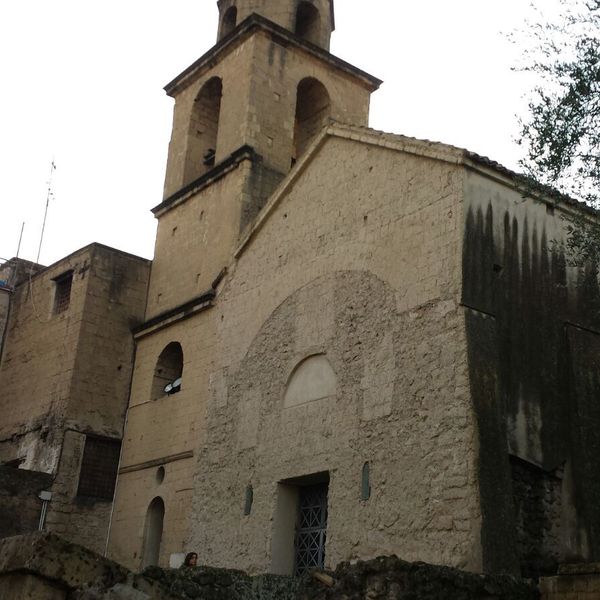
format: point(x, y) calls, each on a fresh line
point(62, 292)
point(203, 131)
point(229, 21)
point(365, 483)
point(168, 372)
point(99, 466)
point(311, 528)
point(308, 22)
point(313, 107)
point(153, 530)
point(248, 500)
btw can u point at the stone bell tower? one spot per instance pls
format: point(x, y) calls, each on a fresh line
point(246, 111)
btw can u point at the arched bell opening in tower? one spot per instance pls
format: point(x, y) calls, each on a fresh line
point(313, 108)
point(203, 131)
point(228, 22)
point(308, 23)
point(168, 371)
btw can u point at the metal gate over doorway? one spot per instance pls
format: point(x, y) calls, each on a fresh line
point(311, 529)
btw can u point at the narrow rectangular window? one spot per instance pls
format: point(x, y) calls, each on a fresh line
point(99, 466)
point(62, 292)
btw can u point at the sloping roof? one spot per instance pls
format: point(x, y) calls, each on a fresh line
point(424, 148)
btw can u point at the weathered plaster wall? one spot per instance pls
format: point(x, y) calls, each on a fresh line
point(360, 261)
point(535, 318)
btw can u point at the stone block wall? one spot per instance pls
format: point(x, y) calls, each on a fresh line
point(65, 375)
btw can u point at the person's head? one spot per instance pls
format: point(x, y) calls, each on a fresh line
point(191, 559)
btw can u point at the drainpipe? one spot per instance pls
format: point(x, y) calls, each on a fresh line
point(45, 497)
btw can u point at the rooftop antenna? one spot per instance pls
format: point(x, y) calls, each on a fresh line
point(49, 195)
point(20, 240)
point(14, 271)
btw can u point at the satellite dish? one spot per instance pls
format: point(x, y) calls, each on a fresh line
point(176, 385)
point(168, 388)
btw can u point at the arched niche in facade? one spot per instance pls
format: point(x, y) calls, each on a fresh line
point(203, 130)
point(153, 530)
point(168, 371)
point(312, 379)
point(308, 22)
point(313, 108)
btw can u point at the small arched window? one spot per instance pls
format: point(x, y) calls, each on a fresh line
point(168, 371)
point(313, 108)
point(229, 21)
point(153, 530)
point(203, 130)
point(308, 22)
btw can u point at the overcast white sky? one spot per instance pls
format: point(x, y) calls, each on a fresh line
point(81, 81)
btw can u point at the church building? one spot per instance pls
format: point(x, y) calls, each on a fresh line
point(355, 343)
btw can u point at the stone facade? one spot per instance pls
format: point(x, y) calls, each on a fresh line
point(65, 376)
point(371, 316)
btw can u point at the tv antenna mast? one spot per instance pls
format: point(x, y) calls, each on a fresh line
point(49, 195)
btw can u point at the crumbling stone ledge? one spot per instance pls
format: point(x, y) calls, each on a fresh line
point(389, 578)
point(42, 566)
point(209, 583)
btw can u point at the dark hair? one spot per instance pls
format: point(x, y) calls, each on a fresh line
point(188, 558)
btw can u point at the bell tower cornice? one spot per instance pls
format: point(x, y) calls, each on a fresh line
point(266, 86)
point(252, 24)
point(312, 20)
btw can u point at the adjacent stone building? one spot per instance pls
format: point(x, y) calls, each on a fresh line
point(355, 343)
point(64, 383)
point(12, 273)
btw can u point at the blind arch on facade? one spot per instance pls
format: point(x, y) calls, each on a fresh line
point(312, 379)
